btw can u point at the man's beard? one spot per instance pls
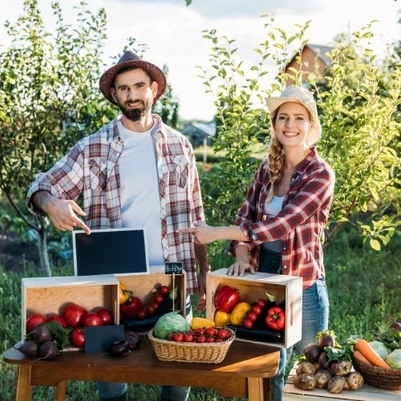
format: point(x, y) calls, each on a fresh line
point(137, 113)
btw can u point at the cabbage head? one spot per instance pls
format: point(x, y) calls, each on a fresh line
point(380, 348)
point(168, 323)
point(394, 359)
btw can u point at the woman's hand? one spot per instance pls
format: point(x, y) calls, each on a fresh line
point(202, 234)
point(239, 268)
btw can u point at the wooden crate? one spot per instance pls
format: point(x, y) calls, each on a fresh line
point(50, 294)
point(254, 286)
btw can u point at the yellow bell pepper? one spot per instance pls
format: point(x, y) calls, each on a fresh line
point(201, 322)
point(123, 293)
point(221, 318)
point(239, 312)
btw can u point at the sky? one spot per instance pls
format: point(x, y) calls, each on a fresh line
point(172, 31)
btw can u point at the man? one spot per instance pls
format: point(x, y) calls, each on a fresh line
point(134, 172)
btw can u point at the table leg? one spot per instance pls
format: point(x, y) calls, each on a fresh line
point(61, 390)
point(258, 389)
point(24, 387)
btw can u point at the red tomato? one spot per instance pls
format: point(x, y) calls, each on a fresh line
point(257, 309)
point(35, 320)
point(57, 318)
point(223, 334)
point(209, 339)
point(262, 303)
point(179, 337)
point(248, 323)
point(188, 337)
point(130, 308)
point(77, 337)
point(211, 331)
point(92, 319)
point(105, 314)
point(252, 316)
point(159, 298)
point(141, 314)
point(150, 309)
point(164, 290)
point(201, 339)
point(200, 331)
point(73, 314)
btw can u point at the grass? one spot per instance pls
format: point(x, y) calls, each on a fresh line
point(363, 289)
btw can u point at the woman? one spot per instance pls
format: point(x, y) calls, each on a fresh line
point(280, 226)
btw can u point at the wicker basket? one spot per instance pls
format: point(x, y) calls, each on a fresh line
point(190, 352)
point(387, 379)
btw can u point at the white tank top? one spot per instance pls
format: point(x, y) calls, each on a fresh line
point(140, 188)
point(272, 209)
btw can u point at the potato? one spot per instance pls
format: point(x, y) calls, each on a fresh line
point(341, 368)
point(354, 381)
point(336, 384)
point(305, 381)
point(322, 378)
point(306, 367)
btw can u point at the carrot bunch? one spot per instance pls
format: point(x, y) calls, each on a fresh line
point(366, 354)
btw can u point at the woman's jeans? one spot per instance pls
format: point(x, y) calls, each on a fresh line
point(167, 393)
point(315, 318)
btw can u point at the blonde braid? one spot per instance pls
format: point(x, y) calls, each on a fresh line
point(275, 159)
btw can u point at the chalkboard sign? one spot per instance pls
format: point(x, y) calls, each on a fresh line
point(114, 251)
point(173, 268)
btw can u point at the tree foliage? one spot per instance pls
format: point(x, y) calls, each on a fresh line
point(359, 114)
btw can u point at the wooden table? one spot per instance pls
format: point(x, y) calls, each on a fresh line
point(245, 372)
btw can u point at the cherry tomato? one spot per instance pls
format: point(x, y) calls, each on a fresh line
point(159, 298)
point(164, 290)
point(188, 337)
point(252, 316)
point(248, 323)
point(179, 337)
point(201, 339)
point(257, 309)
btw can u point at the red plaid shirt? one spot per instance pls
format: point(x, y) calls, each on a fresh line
point(91, 170)
point(301, 222)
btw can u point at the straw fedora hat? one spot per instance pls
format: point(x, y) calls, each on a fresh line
point(300, 95)
point(130, 59)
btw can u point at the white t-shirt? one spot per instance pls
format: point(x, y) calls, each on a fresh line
point(140, 188)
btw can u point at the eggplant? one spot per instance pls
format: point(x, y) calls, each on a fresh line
point(133, 338)
point(262, 335)
point(120, 347)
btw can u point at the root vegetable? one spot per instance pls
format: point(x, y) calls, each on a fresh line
point(305, 381)
point(341, 368)
point(312, 352)
point(306, 367)
point(336, 384)
point(40, 334)
point(322, 378)
point(370, 354)
point(48, 350)
point(133, 338)
point(28, 348)
point(354, 381)
point(323, 360)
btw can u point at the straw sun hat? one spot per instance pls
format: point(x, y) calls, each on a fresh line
point(302, 96)
point(130, 59)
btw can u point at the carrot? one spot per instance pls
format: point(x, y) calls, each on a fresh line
point(359, 357)
point(370, 354)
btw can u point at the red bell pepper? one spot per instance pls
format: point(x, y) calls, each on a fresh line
point(226, 298)
point(131, 308)
point(275, 318)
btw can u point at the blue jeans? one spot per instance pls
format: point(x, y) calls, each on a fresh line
point(111, 390)
point(315, 318)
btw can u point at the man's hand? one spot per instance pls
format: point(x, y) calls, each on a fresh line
point(62, 213)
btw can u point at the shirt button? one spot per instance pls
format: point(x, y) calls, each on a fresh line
point(284, 249)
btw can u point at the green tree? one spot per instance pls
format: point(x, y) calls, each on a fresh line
point(359, 119)
point(46, 81)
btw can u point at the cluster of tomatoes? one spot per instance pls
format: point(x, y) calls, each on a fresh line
point(74, 318)
point(201, 335)
point(133, 308)
point(254, 313)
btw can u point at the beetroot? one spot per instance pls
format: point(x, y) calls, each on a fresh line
point(48, 350)
point(29, 348)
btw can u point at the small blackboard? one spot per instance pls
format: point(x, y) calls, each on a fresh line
point(173, 268)
point(114, 251)
point(98, 339)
